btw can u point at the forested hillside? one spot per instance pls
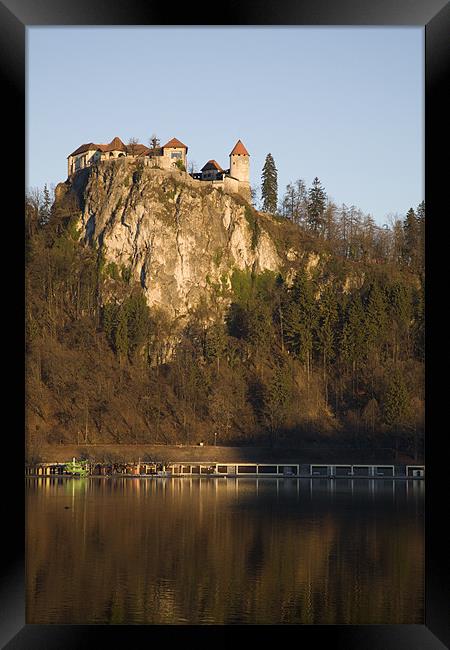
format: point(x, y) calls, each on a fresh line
point(328, 347)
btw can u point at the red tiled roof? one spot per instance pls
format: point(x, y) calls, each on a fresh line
point(212, 164)
point(138, 149)
point(239, 149)
point(174, 144)
point(116, 144)
point(84, 147)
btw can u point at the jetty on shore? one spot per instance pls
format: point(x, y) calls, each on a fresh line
point(233, 470)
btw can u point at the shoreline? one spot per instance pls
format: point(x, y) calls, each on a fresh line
point(310, 454)
point(214, 469)
point(231, 476)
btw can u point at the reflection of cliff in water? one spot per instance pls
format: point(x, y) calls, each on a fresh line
point(224, 551)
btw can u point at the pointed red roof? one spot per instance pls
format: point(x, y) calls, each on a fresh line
point(239, 149)
point(116, 144)
point(174, 144)
point(84, 147)
point(212, 164)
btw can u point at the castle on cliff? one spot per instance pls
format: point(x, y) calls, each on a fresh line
point(171, 156)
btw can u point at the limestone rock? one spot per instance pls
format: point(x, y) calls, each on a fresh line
point(177, 238)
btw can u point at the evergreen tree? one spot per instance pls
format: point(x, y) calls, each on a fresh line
point(376, 320)
point(76, 468)
point(411, 229)
point(138, 321)
point(45, 209)
point(352, 345)
point(109, 321)
point(300, 318)
point(343, 229)
point(269, 185)
point(237, 320)
point(420, 212)
point(400, 316)
point(216, 343)
point(419, 322)
point(275, 400)
point(260, 325)
point(274, 331)
point(326, 331)
point(398, 242)
point(421, 234)
point(317, 199)
point(121, 343)
point(396, 401)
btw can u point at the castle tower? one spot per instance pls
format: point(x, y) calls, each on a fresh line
point(240, 164)
point(174, 151)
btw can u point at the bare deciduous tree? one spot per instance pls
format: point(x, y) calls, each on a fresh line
point(154, 142)
point(132, 146)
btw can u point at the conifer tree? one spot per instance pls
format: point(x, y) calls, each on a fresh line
point(400, 314)
point(121, 334)
point(411, 229)
point(419, 322)
point(260, 324)
point(326, 331)
point(398, 242)
point(109, 316)
point(45, 210)
point(269, 185)
point(300, 318)
point(275, 400)
point(317, 199)
point(138, 321)
point(215, 343)
point(420, 212)
point(353, 336)
point(396, 400)
point(376, 320)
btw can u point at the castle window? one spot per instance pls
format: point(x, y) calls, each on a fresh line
point(175, 154)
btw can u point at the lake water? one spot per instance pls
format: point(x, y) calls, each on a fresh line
point(224, 551)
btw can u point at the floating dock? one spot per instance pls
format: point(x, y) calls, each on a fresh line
point(262, 470)
point(235, 470)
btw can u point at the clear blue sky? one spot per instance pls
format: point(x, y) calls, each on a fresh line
point(343, 104)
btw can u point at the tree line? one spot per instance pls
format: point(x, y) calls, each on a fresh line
point(351, 233)
point(290, 362)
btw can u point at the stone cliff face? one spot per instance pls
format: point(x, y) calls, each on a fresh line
point(179, 238)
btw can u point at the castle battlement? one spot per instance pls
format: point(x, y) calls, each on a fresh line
point(171, 156)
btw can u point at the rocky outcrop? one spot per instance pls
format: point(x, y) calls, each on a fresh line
point(183, 239)
point(176, 237)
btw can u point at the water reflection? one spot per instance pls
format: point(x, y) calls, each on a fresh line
point(223, 551)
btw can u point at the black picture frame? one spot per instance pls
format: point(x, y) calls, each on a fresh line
point(15, 17)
